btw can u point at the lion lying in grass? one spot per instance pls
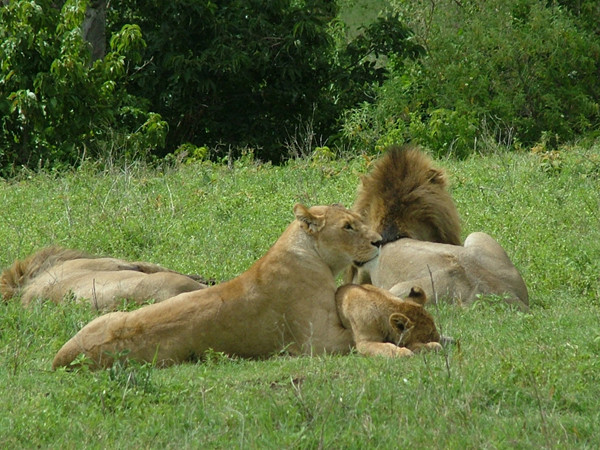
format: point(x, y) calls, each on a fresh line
point(405, 200)
point(55, 272)
point(284, 302)
point(383, 324)
point(456, 273)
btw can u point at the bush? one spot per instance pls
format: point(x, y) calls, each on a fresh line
point(527, 68)
point(237, 74)
point(54, 102)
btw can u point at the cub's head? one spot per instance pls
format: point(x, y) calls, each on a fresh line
point(338, 235)
point(379, 319)
point(411, 325)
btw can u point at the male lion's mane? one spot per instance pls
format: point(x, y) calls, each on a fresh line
point(405, 196)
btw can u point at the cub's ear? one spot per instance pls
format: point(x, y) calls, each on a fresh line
point(400, 322)
point(437, 177)
point(417, 295)
point(310, 222)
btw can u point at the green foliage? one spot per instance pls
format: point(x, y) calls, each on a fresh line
point(54, 102)
point(587, 12)
point(494, 73)
point(236, 73)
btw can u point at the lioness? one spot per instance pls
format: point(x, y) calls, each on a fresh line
point(383, 324)
point(285, 301)
point(54, 272)
point(457, 273)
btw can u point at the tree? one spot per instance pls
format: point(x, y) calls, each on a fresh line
point(248, 72)
point(54, 101)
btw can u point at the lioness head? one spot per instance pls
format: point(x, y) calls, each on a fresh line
point(339, 235)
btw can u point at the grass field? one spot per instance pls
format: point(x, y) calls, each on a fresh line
point(511, 381)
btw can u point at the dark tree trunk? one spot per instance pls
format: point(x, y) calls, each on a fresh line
point(94, 28)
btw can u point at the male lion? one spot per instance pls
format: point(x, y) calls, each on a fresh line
point(54, 272)
point(285, 301)
point(457, 273)
point(383, 324)
point(405, 199)
point(404, 196)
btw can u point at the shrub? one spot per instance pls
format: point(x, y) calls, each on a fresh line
point(236, 74)
point(53, 101)
point(526, 67)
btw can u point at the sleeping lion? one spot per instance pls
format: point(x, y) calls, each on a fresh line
point(54, 273)
point(405, 199)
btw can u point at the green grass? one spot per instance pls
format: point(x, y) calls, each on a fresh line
point(512, 380)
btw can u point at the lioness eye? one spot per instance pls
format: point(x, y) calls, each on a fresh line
point(348, 226)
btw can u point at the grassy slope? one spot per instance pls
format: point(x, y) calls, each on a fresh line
point(513, 381)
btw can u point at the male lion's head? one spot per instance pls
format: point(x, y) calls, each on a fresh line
point(339, 236)
point(405, 196)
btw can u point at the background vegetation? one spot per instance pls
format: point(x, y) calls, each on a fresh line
point(513, 380)
point(218, 78)
point(512, 73)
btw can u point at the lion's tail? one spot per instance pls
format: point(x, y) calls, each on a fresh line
point(16, 277)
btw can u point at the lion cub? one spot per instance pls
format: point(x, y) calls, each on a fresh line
point(383, 324)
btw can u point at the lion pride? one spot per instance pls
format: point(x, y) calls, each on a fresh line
point(405, 199)
point(55, 272)
point(284, 301)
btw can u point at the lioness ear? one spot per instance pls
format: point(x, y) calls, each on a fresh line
point(310, 222)
point(437, 177)
point(400, 322)
point(417, 295)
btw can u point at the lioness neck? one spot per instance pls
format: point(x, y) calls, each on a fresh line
point(298, 249)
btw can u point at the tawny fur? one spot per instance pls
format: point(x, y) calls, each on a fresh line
point(459, 274)
point(285, 301)
point(14, 278)
point(54, 273)
point(405, 196)
point(383, 324)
